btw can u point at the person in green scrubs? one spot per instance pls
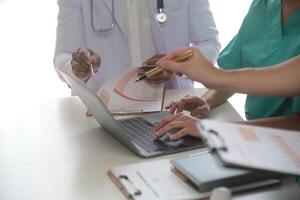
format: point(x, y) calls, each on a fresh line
point(269, 35)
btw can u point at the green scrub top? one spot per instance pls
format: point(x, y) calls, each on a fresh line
point(264, 40)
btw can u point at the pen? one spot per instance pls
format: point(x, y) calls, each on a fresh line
point(180, 58)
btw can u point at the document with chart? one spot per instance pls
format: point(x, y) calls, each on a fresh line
point(122, 95)
point(253, 147)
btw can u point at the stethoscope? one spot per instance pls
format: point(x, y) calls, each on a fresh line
point(160, 16)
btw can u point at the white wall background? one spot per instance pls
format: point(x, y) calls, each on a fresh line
point(27, 40)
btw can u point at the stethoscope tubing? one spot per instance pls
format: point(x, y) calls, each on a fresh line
point(160, 10)
point(101, 30)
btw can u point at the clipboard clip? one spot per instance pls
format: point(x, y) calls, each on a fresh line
point(215, 141)
point(128, 187)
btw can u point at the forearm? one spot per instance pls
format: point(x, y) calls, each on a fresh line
point(290, 122)
point(279, 80)
point(215, 98)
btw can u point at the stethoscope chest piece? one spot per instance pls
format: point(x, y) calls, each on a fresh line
point(160, 16)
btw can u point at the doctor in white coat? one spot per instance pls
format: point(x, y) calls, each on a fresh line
point(136, 35)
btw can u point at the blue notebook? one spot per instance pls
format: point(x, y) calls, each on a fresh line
point(205, 173)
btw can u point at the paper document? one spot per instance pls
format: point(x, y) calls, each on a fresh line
point(156, 181)
point(122, 94)
point(254, 147)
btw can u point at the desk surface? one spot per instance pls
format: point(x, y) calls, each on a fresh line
point(51, 150)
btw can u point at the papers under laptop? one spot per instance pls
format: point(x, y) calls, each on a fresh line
point(122, 95)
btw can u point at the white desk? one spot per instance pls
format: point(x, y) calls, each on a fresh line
point(50, 150)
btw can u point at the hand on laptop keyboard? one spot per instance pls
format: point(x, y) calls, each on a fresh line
point(185, 124)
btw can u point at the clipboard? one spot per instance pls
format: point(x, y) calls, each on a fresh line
point(152, 180)
point(253, 147)
point(133, 181)
point(122, 95)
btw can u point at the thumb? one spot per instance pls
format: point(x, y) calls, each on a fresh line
point(170, 66)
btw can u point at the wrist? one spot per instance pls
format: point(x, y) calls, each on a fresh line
point(206, 102)
point(216, 78)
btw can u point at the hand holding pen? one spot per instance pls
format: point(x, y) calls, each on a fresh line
point(180, 57)
point(197, 67)
point(85, 62)
point(150, 64)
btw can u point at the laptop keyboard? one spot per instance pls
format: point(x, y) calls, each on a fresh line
point(141, 131)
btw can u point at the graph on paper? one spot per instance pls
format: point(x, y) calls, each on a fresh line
point(122, 94)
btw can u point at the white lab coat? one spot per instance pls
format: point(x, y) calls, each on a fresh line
point(189, 22)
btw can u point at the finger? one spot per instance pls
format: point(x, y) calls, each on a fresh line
point(164, 121)
point(186, 101)
point(171, 66)
point(173, 54)
point(171, 125)
point(173, 108)
point(191, 103)
point(181, 106)
point(83, 65)
point(85, 55)
point(180, 134)
point(159, 76)
point(96, 60)
point(76, 66)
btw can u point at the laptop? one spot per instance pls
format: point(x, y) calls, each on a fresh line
point(136, 132)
